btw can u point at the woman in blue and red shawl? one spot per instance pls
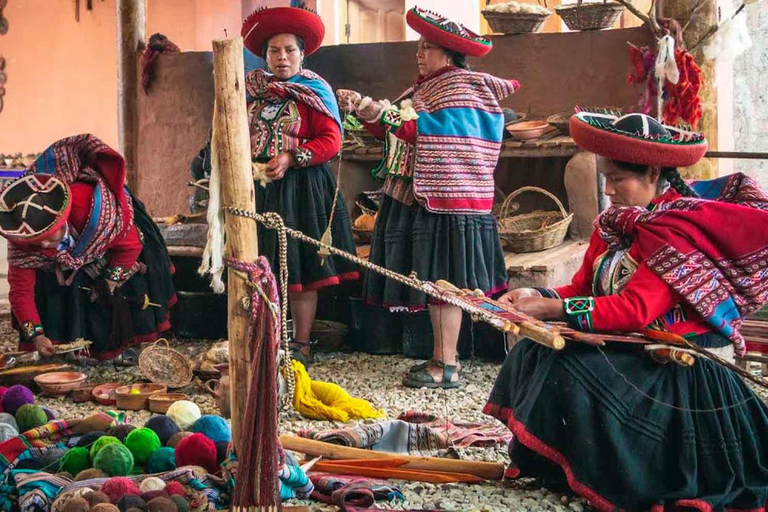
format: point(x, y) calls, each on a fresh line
point(619, 427)
point(295, 129)
point(85, 259)
point(442, 146)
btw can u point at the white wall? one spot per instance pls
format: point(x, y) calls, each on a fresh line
point(466, 12)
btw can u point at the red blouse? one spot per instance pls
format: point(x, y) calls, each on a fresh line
point(123, 253)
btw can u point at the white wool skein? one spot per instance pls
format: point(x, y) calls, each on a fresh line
point(152, 484)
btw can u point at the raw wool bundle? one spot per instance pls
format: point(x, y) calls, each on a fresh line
point(118, 487)
point(105, 507)
point(162, 460)
point(8, 419)
point(214, 428)
point(174, 488)
point(76, 504)
point(16, 396)
point(213, 255)
point(163, 426)
point(174, 441)
point(732, 36)
point(96, 497)
point(150, 495)
point(101, 443)
point(152, 484)
point(182, 505)
point(142, 443)
point(121, 431)
point(327, 401)
point(516, 7)
point(7, 432)
point(184, 413)
point(161, 505)
point(63, 498)
point(197, 450)
point(130, 501)
point(76, 460)
point(90, 474)
point(115, 460)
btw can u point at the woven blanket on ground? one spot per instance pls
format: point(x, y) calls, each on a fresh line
point(712, 250)
point(415, 433)
point(344, 491)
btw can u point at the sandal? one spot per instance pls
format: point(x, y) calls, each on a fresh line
point(416, 368)
point(423, 379)
point(301, 351)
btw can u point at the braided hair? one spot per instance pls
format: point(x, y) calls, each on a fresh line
point(668, 174)
point(458, 59)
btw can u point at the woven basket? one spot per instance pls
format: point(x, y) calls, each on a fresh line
point(561, 122)
point(535, 231)
point(330, 335)
point(591, 16)
point(160, 402)
point(515, 23)
point(163, 365)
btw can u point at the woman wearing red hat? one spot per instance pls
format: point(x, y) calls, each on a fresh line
point(295, 129)
point(85, 259)
point(443, 144)
point(620, 427)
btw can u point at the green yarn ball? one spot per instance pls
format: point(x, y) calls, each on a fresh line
point(142, 443)
point(30, 416)
point(76, 460)
point(114, 460)
point(101, 443)
point(162, 460)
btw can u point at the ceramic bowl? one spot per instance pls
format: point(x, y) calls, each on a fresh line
point(528, 130)
point(60, 383)
point(105, 393)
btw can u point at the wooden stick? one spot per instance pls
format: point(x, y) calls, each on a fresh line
point(485, 470)
point(231, 151)
point(184, 251)
point(436, 477)
point(131, 34)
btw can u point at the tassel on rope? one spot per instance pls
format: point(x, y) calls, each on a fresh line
point(257, 485)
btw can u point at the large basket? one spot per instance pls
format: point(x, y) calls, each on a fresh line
point(535, 231)
point(515, 23)
point(330, 336)
point(590, 16)
point(163, 365)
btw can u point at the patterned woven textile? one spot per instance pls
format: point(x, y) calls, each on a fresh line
point(712, 250)
point(345, 491)
point(415, 433)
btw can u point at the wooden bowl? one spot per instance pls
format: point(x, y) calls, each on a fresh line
point(138, 400)
point(83, 393)
point(160, 402)
point(105, 393)
point(60, 383)
point(528, 130)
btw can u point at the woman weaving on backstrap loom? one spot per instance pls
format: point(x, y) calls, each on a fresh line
point(443, 144)
point(295, 130)
point(85, 259)
point(620, 428)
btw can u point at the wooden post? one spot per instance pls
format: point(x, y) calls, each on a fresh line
point(131, 34)
point(231, 149)
point(701, 22)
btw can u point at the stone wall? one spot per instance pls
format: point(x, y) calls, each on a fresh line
point(750, 98)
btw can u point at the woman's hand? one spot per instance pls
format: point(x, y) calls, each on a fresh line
point(348, 100)
point(513, 296)
point(278, 165)
point(369, 110)
point(540, 308)
point(43, 345)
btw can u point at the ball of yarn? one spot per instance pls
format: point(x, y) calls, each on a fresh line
point(63, 498)
point(164, 459)
point(118, 487)
point(184, 413)
point(76, 504)
point(150, 495)
point(114, 459)
point(174, 489)
point(142, 442)
point(15, 397)
point(90, 474)
point(7, 432)
point(130, 501)
point(163, 426)
point(121, 431)
point(214, 428)
point(161, 505)
point(101, 443)
point(49, 413)
point(88, 439)
point(197, 450)
point(76, 460)
point(3, 389)
point(105, 507)
point(176, 439)
point(96, 497)
point(182, 505)
point(138, 470)
point(152, 484)
point(30, 416)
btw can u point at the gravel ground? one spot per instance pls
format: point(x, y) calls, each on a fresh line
point(375, 378)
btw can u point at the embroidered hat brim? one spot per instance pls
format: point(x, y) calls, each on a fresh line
point(33, 207)
point(263, 24)
point(448, 34)
point(637, 139)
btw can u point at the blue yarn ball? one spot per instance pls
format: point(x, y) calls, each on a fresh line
point(161, 461)
point(214, 428)
point(163, 426)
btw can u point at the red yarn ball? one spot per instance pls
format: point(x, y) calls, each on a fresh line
point(197, 450)
point(118, 487)
point(3, 389)
point(174, 489)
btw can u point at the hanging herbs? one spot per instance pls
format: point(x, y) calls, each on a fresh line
point(3, 19)
point(3, 79)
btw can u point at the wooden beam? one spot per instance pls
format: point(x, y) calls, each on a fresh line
point(131, 34)
point(231, 148)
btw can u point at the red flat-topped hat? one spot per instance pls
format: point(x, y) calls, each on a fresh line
point(33, 207)
point(264, 23)
point(446, 33)
point(637, 139)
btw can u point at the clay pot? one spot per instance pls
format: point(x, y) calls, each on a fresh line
point(219, 389)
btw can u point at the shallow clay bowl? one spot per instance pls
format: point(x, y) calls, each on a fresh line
point(160, 402)
point(60, 383)
point(105, 394)
point(528, 130)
